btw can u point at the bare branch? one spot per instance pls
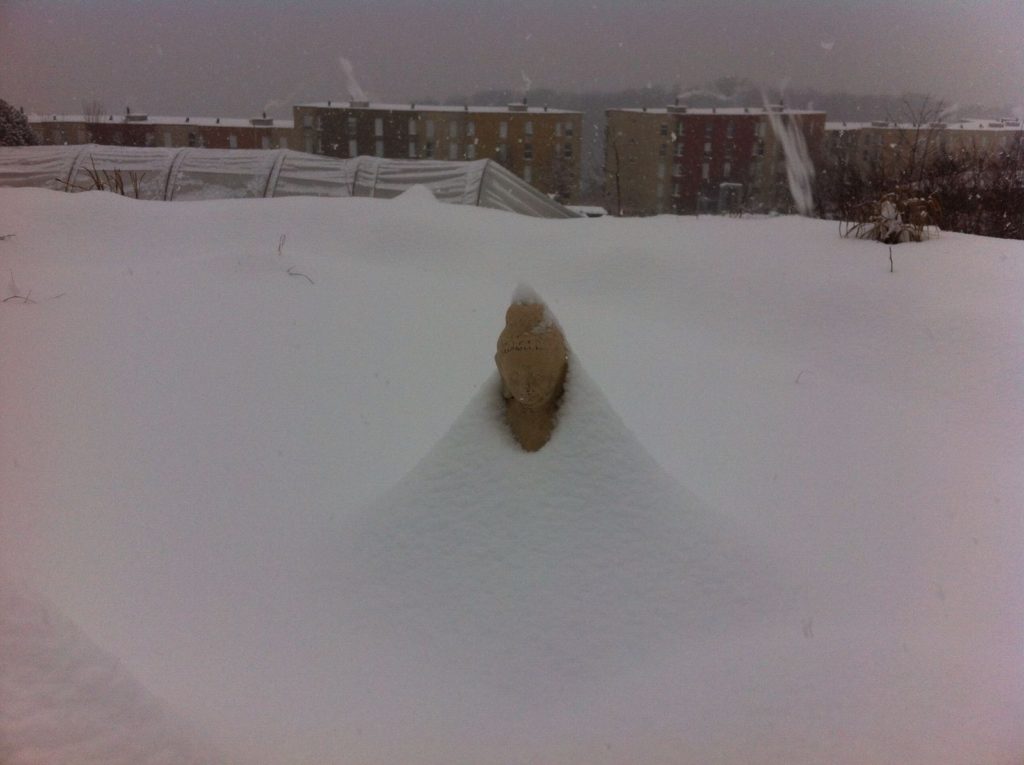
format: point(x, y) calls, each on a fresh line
point(297, 273)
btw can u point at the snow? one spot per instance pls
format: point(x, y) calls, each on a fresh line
point(66, 701)
point(779, 520)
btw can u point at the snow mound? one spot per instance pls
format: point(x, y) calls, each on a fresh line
point(66, 701)
point(533, 574)
point(417, 196)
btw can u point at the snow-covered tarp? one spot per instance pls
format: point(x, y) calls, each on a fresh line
point(187, 174)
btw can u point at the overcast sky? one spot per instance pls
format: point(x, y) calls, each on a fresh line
point(237, 58)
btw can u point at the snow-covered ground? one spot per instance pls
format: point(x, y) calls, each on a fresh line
point(258, 505)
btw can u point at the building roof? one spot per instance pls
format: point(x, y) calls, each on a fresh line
point(1009, 124)
point(149, 119)
point(751, 111)
point(418, 107)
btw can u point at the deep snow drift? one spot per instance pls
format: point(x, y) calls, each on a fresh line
point(268, 476)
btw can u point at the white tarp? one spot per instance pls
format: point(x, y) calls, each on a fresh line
point(189, 174)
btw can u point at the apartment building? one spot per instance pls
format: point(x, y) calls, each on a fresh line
point(685, 160)
point(884, 149)
point(135, 129)
point(540, 145)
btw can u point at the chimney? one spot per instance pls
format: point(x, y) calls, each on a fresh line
point(358, 104)
point(328, 102)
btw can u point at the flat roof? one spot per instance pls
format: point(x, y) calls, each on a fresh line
point(966, 124)
point(418, 107)
point(750, 111)
point(120, 119)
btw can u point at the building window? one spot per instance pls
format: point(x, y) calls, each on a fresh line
point(413, 122)
point(282, 142)
point(663, 150)
point(378, 126)
point(707, 147)
point(568, 129)
point(730, 129)
point(430, 128)
point(663, 130)
point(471, 128)
point(503, 130)
point(528, 128)
point(150, 138)
point(568, 151)
point(265, 142)
point(471, 151)
point(307, 120)
point(428, 149)
point(659, 189)
point(708, 128)
point(759, 130)
point(675, 189)
point(378, 149)
point(727, 170)
point(661, 169)
point(502, 152)
point(192, 139)
point(353, 148)
point(233, 141)
point(453, 150)
point(319, 122)
point(309, 144)
point(453, 129)
point(679, 150)
point(168, 139)
point(705, 171)
point(412, 150)
point(528, 174)
point(558, 130)
point(527, 151)
point(351, 125)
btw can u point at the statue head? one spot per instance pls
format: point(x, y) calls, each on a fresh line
point(533, 360)
point(532, 356)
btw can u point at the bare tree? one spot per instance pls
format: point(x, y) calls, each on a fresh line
point(92, 110)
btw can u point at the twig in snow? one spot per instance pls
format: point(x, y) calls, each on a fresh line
point(890, 261)
point(6, 236)
point(797, 380)
point(280, 245)
point(23, 298)
point(297, 273)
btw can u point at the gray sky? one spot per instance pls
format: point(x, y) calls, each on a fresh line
point(236, 58)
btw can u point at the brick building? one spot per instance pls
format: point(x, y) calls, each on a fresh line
point(884, 149)
point(540, 145)
point(685, 160)
point(132, 129)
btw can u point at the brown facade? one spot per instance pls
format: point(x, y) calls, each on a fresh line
point(679, 160)
point(539, 145)
point(884, 149)
point(171, 132)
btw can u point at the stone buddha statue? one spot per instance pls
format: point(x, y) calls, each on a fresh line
point(533, 360)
